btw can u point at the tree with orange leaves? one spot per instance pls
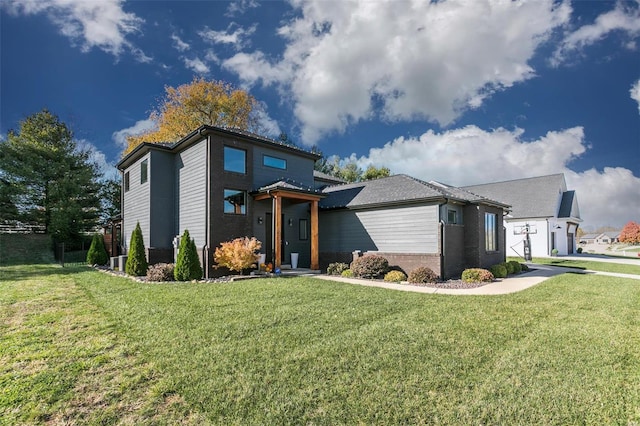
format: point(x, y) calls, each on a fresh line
point(630, 233)
point(201, 102)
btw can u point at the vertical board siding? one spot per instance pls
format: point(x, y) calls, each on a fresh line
point(136, 205)
point(191, 192)
point(394, 230)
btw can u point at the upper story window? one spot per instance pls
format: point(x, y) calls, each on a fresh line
point(452, 217)
point(235, 160)
point(126, 181)
point(235, 201)
point(274, 162)
point(144, 171)
point(490, 232)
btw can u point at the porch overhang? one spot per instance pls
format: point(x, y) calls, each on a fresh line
point(295, 194)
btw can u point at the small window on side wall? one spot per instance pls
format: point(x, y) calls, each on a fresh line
point(490, 232)
point(452, 217)
point(144, 171)
point(235, 201)
point(303, 229)
point(126, 181)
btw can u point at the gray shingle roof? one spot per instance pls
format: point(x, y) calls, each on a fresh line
point(543, 196)
point(290, 185)
point(393, 190)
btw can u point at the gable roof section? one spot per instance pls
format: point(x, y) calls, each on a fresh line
point(531, 197)
point(397, 189)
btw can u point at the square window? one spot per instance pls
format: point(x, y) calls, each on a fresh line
point(235, 160)
point(235, 201)
point(144, 171)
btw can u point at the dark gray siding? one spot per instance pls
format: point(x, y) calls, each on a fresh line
point(299, 169)
point(161, 177)
point(136, 205)
point(395, 230)
point(190, 190)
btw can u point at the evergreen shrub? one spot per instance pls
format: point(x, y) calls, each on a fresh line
point(188, 263)
point(499, 270)
point(136, 260)
point(97, 254)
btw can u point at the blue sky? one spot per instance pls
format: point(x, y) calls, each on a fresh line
point(463, 92)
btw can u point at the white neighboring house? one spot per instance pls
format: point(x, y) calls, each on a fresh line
point(544, 205)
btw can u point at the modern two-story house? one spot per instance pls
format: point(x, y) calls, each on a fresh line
point(222, 184)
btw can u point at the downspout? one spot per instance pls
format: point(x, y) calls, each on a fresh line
point(125, 249)
point(207, 221)
point(442, 238)
point(273, 228)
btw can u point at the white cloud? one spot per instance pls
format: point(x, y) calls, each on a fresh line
point(470, 155)
point(239, 7)
point(108, 170)
point(625, 17)
point(268, 124)
point(102, 24)
point(351, 61)
point(635, 93)
point(179, 44)
point(196, 64)
point(234, 35)
point(142, 126)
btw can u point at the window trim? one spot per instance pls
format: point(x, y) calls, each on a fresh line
point(264, 163)
point(242, 206)
point(224, 159)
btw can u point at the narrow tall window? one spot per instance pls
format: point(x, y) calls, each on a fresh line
point(303, 229)
point(235, 160)
point(126, 181)
point(235, 201)
point(490, 232)
point(144, 171)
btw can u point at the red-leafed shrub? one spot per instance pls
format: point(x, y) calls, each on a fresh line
point(370, 266)
point(422, 275)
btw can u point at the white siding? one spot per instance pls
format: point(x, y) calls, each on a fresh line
point(191, 192)
point(391, 230)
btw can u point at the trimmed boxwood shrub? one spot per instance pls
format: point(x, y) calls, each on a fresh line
point(499, 270)
point(188, 264)
point(160, 272)
point(370, 266)
point(337, 268)
point(97, 254)
point(579, 250)
point(136, 258)
point(422, 275)
point(524, 267)
point(477, 275)
point(395, 276)
point(513, 267)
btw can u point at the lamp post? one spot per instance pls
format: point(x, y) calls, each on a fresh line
point(527, 244)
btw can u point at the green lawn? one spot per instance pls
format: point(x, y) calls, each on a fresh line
point(79, 346)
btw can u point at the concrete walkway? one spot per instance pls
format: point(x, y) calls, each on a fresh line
point(502, 286)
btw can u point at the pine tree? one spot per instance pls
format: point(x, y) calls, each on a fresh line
point(136, 260)
point(97, 254)
point(188, 264)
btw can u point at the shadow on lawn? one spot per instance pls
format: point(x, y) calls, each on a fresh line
point(26, 272)
point(565, 264)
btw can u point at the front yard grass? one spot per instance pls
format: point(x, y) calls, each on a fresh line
point(587, 264)
point(83, 347)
